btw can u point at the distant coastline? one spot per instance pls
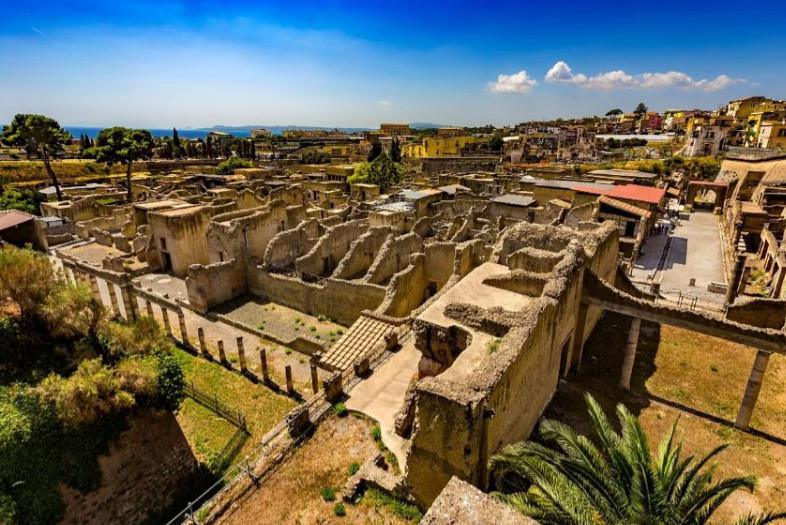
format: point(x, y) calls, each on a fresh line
point(201, 133)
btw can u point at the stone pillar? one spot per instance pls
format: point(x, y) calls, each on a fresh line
point(165, 320)
point(333, 388)
point(630, 353)
point(149, 308)
point(752, 390)
point(113, 298)
point(263, 365)
point(222, 355)
point(181, 319)
point(736, 279)
point(94, 286)
point(288, 373)
point(129, 301)
point(241, 354)
point(202, 344)
point(578, 339)
point(314, 378)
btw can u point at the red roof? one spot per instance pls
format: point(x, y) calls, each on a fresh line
point(11, 218)
point(630, 192)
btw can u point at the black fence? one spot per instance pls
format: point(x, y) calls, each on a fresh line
point(212, 403)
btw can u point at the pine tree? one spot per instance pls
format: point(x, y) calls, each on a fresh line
point(176, 151)
point(395, 151)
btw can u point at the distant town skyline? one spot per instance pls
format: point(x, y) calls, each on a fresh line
point(199, 64)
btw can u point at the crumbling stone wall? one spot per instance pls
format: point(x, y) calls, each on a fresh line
point(464, 417)
point(393, 257)
point(340, 300)
point(325, 255)
point(764, 313)
point(362, 253)
point(216, 283)
point(285, 247)
point(246, 234)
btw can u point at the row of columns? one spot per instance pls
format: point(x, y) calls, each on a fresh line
point(129, 302)
point(752, 388)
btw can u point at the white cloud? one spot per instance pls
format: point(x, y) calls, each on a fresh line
point(561, 73)
point(516, 83)
point(385, 103)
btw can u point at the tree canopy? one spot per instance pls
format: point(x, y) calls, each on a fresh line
point(68, 376)
point(382, 172)
point(38, 135)
point(123, 146)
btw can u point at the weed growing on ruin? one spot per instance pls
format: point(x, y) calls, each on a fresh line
point(402, 509)
point(339, 510)
point(376, 433)
point(312, 328)
point(328, 493)
point(492, 346)
point(288, 351)
point(340, 409)
point(353, 468)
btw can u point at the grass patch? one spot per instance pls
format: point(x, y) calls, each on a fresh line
point(339, 509)
point(328, 493)
point(376, 498)
point(340, 409)
point(206, 432)
point(353, 468)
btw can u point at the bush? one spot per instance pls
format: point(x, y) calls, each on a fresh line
point(229, 166)
point(170, 383)
point(353, 468)
point(142, 337)
point(340, 409)
point(339, 509)
point(328, 493)
point(376, 433)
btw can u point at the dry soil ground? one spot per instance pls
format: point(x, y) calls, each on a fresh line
point(291, 495)
point(701, 380)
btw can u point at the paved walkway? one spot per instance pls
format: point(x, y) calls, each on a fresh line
point(382, 394)
point(694, 253)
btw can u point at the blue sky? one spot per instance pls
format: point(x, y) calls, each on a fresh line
point(190, 64)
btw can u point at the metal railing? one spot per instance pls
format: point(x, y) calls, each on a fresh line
point(212, 403)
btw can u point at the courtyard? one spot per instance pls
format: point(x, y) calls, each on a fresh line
point(700, 380)
point(692, 253)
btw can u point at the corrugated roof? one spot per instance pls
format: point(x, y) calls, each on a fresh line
point(632, 192)
point(514, 200)
point(624, 206)
point(630, 174)
point(11, 218)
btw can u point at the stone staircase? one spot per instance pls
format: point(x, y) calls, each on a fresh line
point(358, 341)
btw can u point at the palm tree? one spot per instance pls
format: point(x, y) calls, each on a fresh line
point(614, 479)
point(41, 136)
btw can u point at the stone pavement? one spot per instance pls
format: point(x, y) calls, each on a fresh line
point(693, 253)
point(382, 394)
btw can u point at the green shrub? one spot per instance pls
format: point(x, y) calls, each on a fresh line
point(328, 493)
point(376, 433)
point(403, 510)
point(170, 383)
point(340, 409)
point(229, 166)
point(339, 510)
point(353, 468)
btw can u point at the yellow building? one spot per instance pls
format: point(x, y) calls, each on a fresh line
point(742, 108)
point(772, 134)
point(394, 130)
point(438, 147)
